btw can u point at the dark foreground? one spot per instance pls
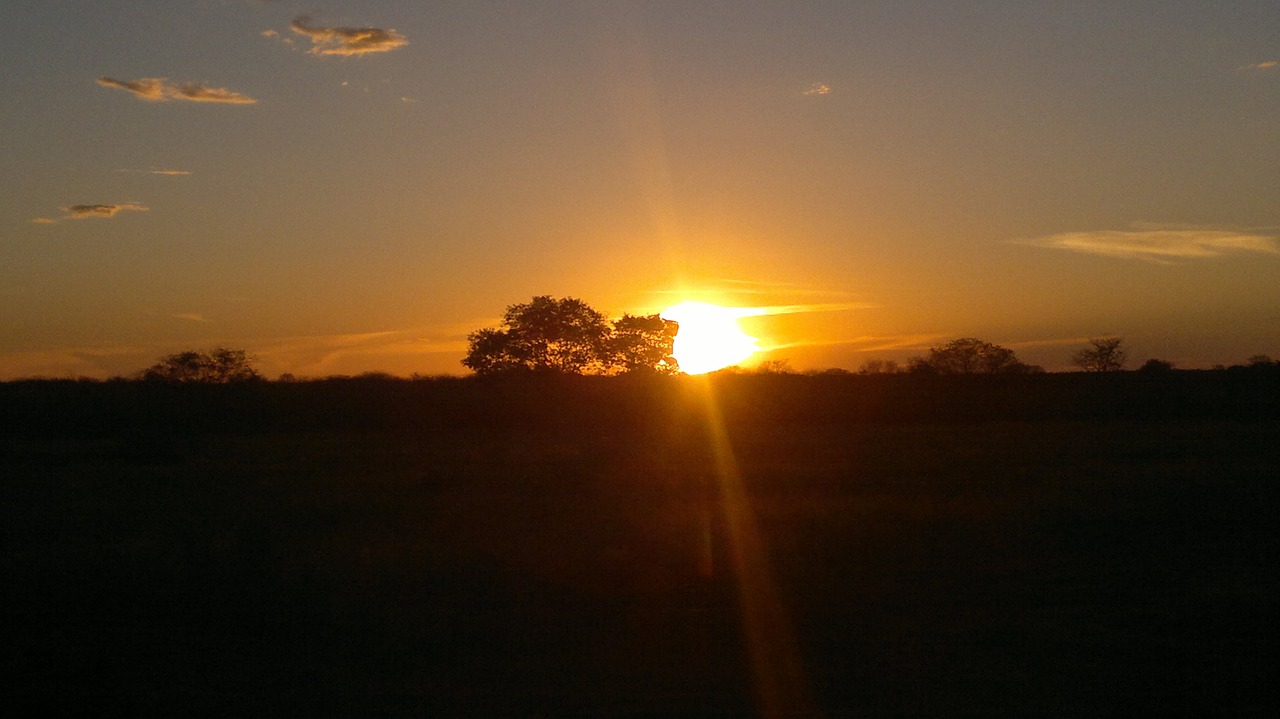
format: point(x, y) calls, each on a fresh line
point(793, 544)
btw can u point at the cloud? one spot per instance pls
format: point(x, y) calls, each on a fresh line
point(347, 40)
point(1260, 66)
point(98, 362)
point(318, 355)
point(190, 317)
point(817, 88)
point(875, 343)
point(44, 221)
point(80, 212)
point(1052, 342)
point(1161, 244)
point(159, 172)
point(159, 89)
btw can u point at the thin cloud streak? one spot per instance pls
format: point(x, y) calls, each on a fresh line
point(82, 212)
point(875, 343)
point(1260, 66)
point(172, 173)
point(1055, 342)
point(802, 309)
point(317, 355)
point(1161, 245)
point(70, 362)
point(159, 89)
point(347, 41)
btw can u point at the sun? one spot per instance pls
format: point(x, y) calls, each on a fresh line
point(709, 337)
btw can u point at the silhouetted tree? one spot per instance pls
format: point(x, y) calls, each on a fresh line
point(877, 366)
point(774, 366)
point(969, 356)
point(1259, 361)
point(1155, 365)
point(1104, 354)
point(220, 366)
point(545, 334)
point(644, 344)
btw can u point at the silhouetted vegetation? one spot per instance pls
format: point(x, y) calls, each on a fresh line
point(569, 336)
point(1104, 354)
point(1260, 362)
point(878, 366)
point(220, 366)
point(1156, 365)
point(643, 344)
point(970, 356)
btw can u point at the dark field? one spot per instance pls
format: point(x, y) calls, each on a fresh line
point(1044, 545)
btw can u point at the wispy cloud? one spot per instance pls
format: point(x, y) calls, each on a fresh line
point(98, 362)
point(190, 317)
point(347, 40)
point(815, 89)
point(1051, 342)
point(1162, 244)
point(44, 221)
point(802, 309)
point(875, 343)
point(277, 37)
point(173, 173)
point(1260, 66)
point(319, 355)
point(159, 89)
point(81, 212)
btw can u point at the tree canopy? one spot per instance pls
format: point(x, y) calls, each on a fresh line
point(1104, 354)
point(569, 336)
point(644, 344)
point(970, 356)
point(220, 366)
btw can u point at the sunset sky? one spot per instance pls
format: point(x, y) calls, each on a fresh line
point(342, 187)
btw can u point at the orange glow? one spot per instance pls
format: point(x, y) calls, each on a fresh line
point(709, 337)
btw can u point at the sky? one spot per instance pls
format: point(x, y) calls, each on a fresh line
point(348, 187)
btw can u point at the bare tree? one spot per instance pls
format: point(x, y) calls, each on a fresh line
point(1104, 354)
point(774, 366)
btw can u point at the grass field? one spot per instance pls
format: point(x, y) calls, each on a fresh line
point(671, 551)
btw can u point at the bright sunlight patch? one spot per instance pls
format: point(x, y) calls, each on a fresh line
point(709, 337)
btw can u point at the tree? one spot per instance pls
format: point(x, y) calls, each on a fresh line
point(774, 366)
point(644, 344)
point(1104, 354)
point(878, 366)
point(545, 334)
point(1156, 366)
point(969, 356)
point(221, 366)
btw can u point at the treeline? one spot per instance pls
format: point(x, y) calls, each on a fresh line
point(551, 403)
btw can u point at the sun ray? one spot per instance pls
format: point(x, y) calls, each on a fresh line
point(779, 676)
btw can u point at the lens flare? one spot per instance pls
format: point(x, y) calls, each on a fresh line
point(709, 337)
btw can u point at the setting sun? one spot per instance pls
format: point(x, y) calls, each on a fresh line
point(709, 337)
